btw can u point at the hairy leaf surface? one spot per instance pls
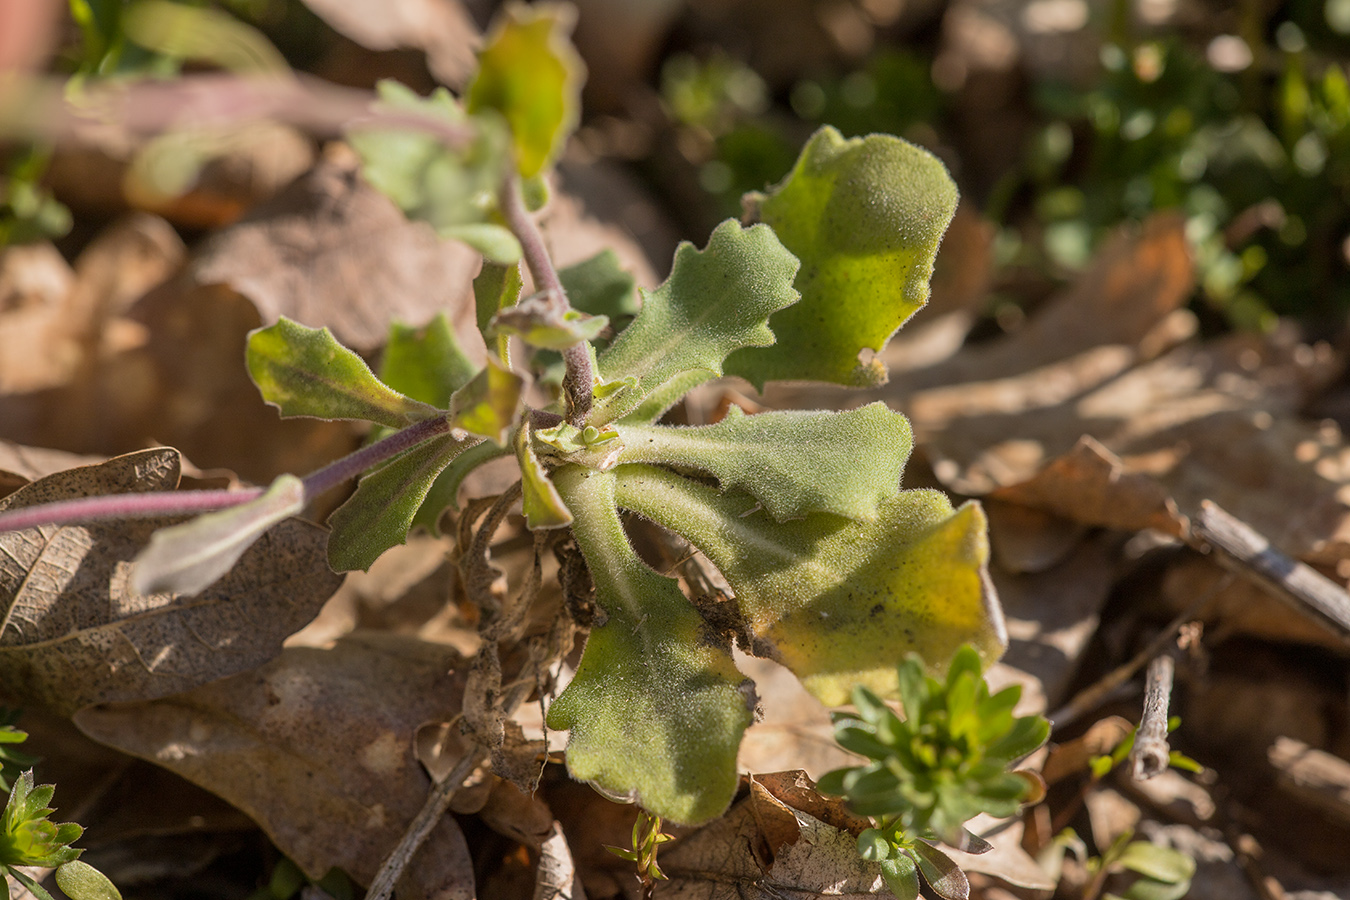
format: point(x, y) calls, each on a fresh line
point(306, 372)
point(657, 708)
point(530, 73)
point(794, 462)
point(192, 556)
point(446, 486)
point(715, 301)
point(838, 601)
point(378, 515)
point(72, 632)
point(864, 215)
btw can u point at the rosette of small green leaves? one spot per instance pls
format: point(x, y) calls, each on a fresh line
point(939, 767)
point(29, 838)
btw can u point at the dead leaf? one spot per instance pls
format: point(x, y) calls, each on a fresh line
point(19, 464)
point(718, 862)
point(442, 28)
point(73, 634)
point(1091, 485)
point(332, 730)
point(331, 250)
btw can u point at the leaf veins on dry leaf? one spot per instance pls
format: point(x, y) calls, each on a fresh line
point(73, 634)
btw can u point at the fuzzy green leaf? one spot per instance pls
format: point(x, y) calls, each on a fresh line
point(541, 504)
point(306, 372)
point(793, 462)
point(190, 557)
point(426, 363)
point(442, 495)
point(715, 301)
point(833, 599)
point(529, 72)
point(656, 709)
point(378, 515)
point(453, 188)
point(864, 216)
point(489, 405)
point(81, 881)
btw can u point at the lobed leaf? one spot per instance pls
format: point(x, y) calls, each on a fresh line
point(836, 600)
point(306, 372)
point(657, 708)
point(190, 557)
point(380, 512)
point(793, 462)
point(530, 73)
point(715, 301)
point(864, 216)
point(427, 363)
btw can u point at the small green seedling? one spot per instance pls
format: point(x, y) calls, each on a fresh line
point(647, 839)
point(933, 771)
point(1101, 766)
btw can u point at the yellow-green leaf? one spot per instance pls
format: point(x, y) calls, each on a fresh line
point(840, 601)
point(489, 405)
point(864, 216)
point(426, 363)
point(531, 74)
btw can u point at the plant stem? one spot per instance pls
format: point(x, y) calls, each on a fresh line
point(577, 380)
point(353, 464)
point(179, 503)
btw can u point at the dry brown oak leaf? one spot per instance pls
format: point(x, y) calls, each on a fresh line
point(72, 633)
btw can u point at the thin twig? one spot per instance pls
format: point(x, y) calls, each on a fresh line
point(578, 378)
point(1242, 549)
point(1150, 754)
point(438, 801)
point(1092, 696)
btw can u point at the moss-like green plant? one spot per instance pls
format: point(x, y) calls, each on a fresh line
point(837, 572)
point(931, 772)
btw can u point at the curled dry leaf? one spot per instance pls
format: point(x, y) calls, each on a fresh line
point(333, 731)
point(442, 28)
point(73, 633)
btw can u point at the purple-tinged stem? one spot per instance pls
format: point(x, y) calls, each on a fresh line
point(353, 464)
point(577, 381)
point(177, 503)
